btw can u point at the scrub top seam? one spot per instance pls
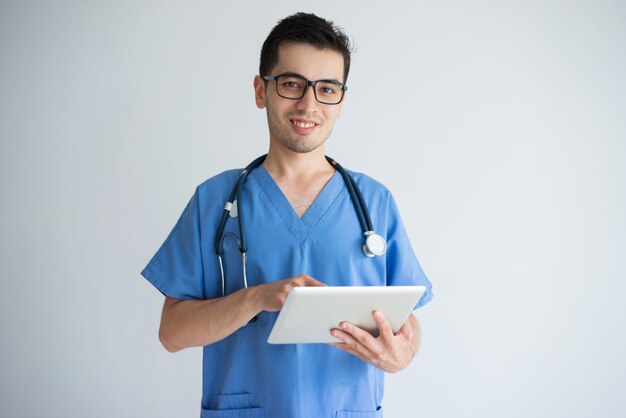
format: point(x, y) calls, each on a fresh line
point(302, 226)
point(323, 214)
point(267, 199)
point(288, 214)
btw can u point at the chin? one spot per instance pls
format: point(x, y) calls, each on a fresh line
point(302, 148)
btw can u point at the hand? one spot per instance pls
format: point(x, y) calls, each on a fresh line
point(272, 296)
point(388, 352)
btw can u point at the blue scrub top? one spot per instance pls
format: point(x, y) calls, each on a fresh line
point(243, 375)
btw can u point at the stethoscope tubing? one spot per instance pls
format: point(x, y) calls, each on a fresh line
point(236, 191)
point(355, 195)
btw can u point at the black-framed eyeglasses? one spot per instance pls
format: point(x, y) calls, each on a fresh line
point(294, 86)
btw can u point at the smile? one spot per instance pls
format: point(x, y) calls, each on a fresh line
point(303, 124)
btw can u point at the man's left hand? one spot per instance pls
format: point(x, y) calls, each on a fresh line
point(388, 352)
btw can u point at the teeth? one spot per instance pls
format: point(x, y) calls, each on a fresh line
point(303, 124)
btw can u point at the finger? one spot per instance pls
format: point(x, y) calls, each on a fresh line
point(362, 336)
point(348, 340)
point(384, 327)
point(359, 340)
point(305, 280)
point(310, 281)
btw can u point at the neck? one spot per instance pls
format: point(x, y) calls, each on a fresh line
point(281, 162)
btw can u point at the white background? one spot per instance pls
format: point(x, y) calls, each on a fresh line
point(498, 125)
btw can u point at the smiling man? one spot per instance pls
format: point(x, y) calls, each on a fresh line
point(302, 229)
point(303, 124)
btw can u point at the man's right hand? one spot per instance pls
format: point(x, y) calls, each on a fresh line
point(272, 296)
point(190, 323)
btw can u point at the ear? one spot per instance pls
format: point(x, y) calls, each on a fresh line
point(259, 91)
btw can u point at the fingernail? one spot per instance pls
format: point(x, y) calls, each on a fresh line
point(344, 325)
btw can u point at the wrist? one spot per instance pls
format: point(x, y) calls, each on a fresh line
point(252, 299)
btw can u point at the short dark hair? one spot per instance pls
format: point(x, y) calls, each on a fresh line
point(309, 29)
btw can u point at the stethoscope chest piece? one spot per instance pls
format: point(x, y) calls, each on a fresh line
point(375, 245)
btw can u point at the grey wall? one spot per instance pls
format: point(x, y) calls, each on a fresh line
point(498, 125)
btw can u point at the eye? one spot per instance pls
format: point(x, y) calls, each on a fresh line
point(328, 89)
point(292, 84)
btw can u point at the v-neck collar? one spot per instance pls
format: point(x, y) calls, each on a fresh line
point(299, 227)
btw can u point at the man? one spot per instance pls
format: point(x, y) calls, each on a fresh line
point(302, 230)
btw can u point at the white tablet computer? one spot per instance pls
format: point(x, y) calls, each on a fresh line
point(309, 313)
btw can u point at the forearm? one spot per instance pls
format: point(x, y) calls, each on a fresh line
point(193, 323)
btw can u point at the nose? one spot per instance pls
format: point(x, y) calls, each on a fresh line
point(308, 101)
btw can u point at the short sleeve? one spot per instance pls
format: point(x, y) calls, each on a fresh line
point(403, 269)
point(176, 268)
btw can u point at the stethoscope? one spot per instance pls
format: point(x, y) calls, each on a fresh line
point(374, 245)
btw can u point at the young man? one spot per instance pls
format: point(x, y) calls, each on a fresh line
point(302, 230)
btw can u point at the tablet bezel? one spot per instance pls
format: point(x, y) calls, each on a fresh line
point(309, 313)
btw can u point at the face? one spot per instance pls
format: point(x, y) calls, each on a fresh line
point(300, 125)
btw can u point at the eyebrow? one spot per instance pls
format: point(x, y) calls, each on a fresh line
point(291, 74)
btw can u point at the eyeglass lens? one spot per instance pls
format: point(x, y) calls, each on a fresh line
point(291, 87)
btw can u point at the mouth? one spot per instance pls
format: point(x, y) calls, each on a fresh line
point(303, 123)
